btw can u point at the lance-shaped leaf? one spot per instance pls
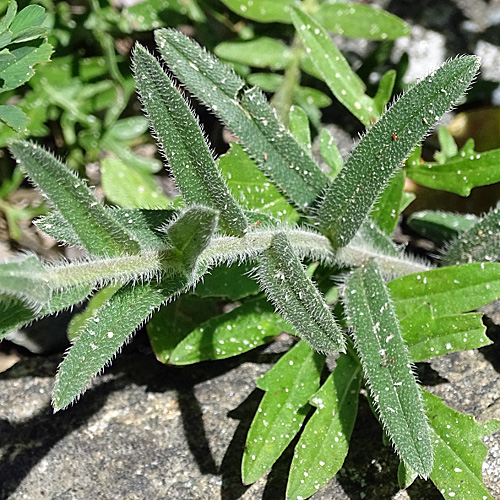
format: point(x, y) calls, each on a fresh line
point(440, 226)
point(387, 368)
point(383, 149)
point(459, 451)
point(99, 233)
point(387, 209)
point(244, 328)
point(143, 224)
point(183, 144)
point(428, 336)
point(290, 289)
point(330, 152)
point(110, 328)
point(324, 442)
point(14, 313)
point(283, 409)
point(480, 242)
point(26, 279)
point(189, 235)
point(251, 187)
point(361, 21)
point(449, 290)
point(248, 114)
point(264, 11)
point(335, 71)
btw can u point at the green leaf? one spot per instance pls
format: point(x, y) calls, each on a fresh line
point(459, 174)
point(248, 114)
point(183, 144)
point(26, 279)
point(386, 210)
point(244, 328)
point(14, 313)
point(98, 232)
point(384, 91)
point(81, 320)
point(112, 324)
point(459, 451)
point(330, 152)
point(32, 15)
point(290, 289)
point(8, 17)
point(288, 385)
point(387, 367)
point(251, 187)
point(262, 52)
point(143, 224)
point(189, 235)
point(335, 71)
point(130, 188)
point(449, 290)
point(175, 320)
point(440, 226)
point(361, 21)
point(264, 11)
point(383, 149)
point(299, 127)
point(428, 336)
point(324, 442)
point(232, 282)
point(449, 147)
point(480, 242)
point(14, 117)
point(18, 67)
point(151, 14)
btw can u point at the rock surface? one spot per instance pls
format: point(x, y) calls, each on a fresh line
point(148, 431)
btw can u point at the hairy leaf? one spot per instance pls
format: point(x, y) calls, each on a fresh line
point(335, 71)
point(183, 144)
point(479, 242)
point(428, 336)
point(14, 313)
point(248, 114)
point(459, 451)
point(244, 328)
point(290, 289)
point(387, 367)
point(383, 149)
point(288, 385)
point(324, 442)
point(449, 290)
point(142, 223)
point(112, 325)
point(26, 279)
point(99, 233)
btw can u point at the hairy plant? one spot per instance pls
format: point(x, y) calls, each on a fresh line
point(266, 207)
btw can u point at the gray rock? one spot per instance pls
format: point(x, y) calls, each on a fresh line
point(148, 431)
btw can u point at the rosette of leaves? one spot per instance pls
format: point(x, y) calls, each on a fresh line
point(266, 206)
